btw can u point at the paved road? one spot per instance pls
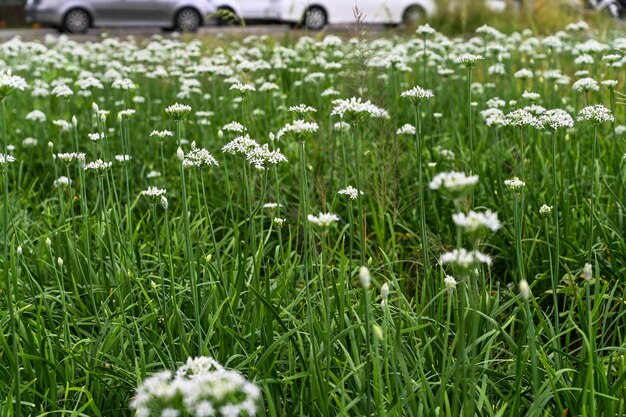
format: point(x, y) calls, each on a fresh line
point(95, 34)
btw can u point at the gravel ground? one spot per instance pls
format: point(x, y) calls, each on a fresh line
point(95, 34)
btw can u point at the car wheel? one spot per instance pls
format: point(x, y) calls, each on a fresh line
point(188, 20)
point(413, 15)
point(315, 18)
point(76, 21)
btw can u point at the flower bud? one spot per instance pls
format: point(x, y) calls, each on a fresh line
point(50, 145)
point(48, 242)
point(193, 145)
point(449, 283)
point(180, 154)
point(587, 271)
point(95, 108)
point(19, 250)
point(365, 277)
point(74, 121)
point(272, 137)
point(384, 290)
point(220, 134)
point(164, 203)
point(524, 289)
point(378, 332)
point(60, 261)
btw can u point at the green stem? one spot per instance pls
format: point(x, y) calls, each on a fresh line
point(557, 235)
point(189, 250)
point(7, 275)
point(422, 206)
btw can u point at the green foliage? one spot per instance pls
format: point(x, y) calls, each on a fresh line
point(141, 288)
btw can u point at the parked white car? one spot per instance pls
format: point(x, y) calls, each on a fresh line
point(315, 14)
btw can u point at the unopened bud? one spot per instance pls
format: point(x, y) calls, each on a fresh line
point(180, 154)
point(524, 289)
point(48, 242)
point(365, 277)
point(60, 261)
point(378, 332)
point(384, 290)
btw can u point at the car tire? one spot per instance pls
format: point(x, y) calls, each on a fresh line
point(187, 20)
point(315, 18)
point(76, 21)
point(413, 15)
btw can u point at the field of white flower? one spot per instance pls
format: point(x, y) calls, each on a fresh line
point(407, 226)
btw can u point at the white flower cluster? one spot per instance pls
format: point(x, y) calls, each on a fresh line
point(595, 114)
point(153, 192)
point(493, 117)
point(468, 60)
point(123, 158)
point(242, 88)
point(514, 184)
point(123, 84)
point(62, 181)
point(356, 107)
point(178, 111)
point(323, 219)
point(98, 166)
point(474, 221)
point(417, 94)
point(586, 84)
point(298, 128)
point(453, 181)
point(36, 116)
point(555, 119)
point(545, 209)
point(234, 127)
point(199, 158)
point(257, 155)
point(425, 29)
point(521, 118)
point(71, 156)
point(449, 283)
point(464, 258)
point(351, 192)
point(302, 109)
point(10, 83)
point(407, 129)
point(201, 388)
point(161, 134)
point(6, 159)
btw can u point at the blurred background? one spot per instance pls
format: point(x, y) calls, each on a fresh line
point(12, 13)
point(542, 16)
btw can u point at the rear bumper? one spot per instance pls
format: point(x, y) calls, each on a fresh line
point(43, 16)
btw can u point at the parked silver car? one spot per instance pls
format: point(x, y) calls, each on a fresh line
point(77, 16)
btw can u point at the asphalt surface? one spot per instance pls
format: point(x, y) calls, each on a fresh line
point(219, 31)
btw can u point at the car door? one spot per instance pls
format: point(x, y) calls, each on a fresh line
point(376, 11)
point(256, 9)
point(147, 12)
point(105, 11)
